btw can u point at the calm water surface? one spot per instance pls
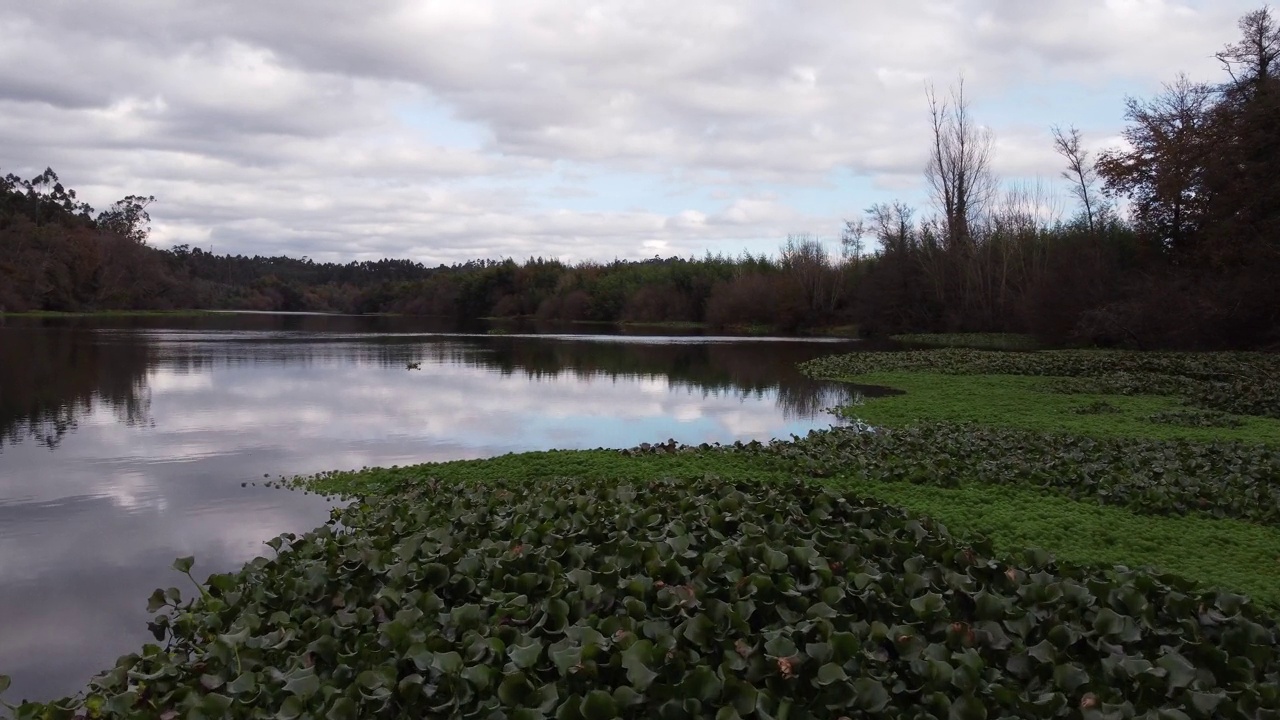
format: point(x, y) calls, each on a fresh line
point(124, 444)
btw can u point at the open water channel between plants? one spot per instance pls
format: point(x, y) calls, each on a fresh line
point(127, 442)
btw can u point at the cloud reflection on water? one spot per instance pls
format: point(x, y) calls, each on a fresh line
point(124, 449)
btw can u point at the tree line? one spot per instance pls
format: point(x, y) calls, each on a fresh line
point(1174, 241)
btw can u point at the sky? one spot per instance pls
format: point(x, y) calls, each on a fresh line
point(442, 131)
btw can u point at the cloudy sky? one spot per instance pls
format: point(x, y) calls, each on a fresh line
point(455, 129)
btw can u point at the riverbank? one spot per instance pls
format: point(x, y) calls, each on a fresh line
point(610, 583)
point(110, 313)
point(757, 329)
point(980, 341)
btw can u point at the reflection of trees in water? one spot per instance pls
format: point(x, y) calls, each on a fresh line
point(56, 373)
point(52, 377)
point(741, 370)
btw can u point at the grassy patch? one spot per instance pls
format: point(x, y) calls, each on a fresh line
point(1213, 552)
point(1002, 388)
point(1034, 403)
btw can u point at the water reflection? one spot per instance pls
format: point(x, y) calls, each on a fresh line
point(124, 444)
point(49, 378)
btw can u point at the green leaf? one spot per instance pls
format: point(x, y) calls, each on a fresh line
point(775, 560)
point(634, 659)
point(1207, 703)
point(303, 683)
point(291, 709)
point(1069, 676)
point(831, 673)
point(1044, 651)
point(870, 695)
point(481, 676)
point(211, 682)
point(5, 681)
point(967, 707)
point(513, 689)
point(215, 704)
point(598, 705)
point(626, 697)
point(1107, 622)
point(525, 655)
point(702, 683)
point(565, 654)
point(245, 683)
point(421, 656)
point(1181, 671)
point(343, 709)
point(844, 645)
point(123, 704)
point(820, 652)
point(821, 610)
point(183, 564)
point(447, 663)
point(927, 605)
point(781, 646)
point(435, 574)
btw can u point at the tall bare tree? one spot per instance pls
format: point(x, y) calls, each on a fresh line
point(852, 246)
point(894, 226)
point(1255, 59)
point(959, 171)
point(805, 259)
point(1080, 172)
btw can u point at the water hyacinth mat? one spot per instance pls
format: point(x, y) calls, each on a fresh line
point(664, 599)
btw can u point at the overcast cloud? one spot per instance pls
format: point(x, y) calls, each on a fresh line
point(450, 130)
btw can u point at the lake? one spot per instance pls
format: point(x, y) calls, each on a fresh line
point(127, 442)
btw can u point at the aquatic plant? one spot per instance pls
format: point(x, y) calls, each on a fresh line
point(593, 599)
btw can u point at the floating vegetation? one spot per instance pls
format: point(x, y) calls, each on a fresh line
point(672, 599)
point(1225, 479)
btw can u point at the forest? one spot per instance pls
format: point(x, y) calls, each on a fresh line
point(1174, 242)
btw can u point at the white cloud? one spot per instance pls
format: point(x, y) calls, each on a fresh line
point(401, 128)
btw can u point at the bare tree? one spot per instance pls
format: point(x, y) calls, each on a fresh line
point(1256, 58)
point(851, 240)
point(806, 260)
point(1080, 172)
point(959, 170)
point(893, 226)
